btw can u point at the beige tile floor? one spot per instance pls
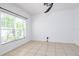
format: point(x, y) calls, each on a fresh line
point(38, 48)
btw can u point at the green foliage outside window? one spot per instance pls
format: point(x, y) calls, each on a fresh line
point(15, 28)
point(7, 21)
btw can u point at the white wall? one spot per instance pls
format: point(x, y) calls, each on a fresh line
point(76, 26)
point(9, 46)
point(56, 25)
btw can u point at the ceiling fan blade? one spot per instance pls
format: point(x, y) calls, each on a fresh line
point(49, 8)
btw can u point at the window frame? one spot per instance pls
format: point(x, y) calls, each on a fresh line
point(24, 19)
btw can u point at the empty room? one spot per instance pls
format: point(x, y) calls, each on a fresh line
point(39, 29)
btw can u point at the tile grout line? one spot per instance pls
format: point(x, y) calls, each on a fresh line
point(64, 51)
point(55, 48)
point(38, 50)
point(46, 49)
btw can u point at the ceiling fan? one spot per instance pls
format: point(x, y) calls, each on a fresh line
point(49, 5)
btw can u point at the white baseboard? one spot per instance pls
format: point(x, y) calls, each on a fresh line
point(38, 40)
point(53, 41)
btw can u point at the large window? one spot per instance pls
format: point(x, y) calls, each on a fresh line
point(11, 28)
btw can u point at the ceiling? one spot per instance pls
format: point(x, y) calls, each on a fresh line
point(37, 8)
